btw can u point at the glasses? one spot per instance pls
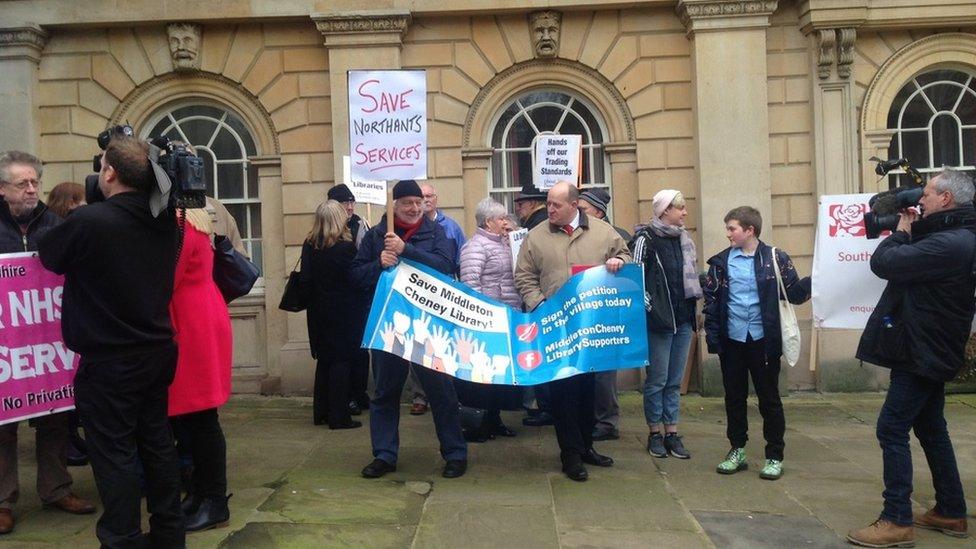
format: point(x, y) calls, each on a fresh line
point(22, 185)
point(431, 195)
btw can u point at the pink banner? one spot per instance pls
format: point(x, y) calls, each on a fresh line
point(37, 370)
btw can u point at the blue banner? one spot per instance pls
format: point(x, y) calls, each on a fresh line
point(594, 323)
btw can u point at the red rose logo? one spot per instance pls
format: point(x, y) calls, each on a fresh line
point(529, 360)
point(527, 332)
point(847, 220)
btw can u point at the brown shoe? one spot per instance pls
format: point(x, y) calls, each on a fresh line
point(418, 409)
point(931, 520)
point(6, 521)
point(72, 504)
point(882, 533)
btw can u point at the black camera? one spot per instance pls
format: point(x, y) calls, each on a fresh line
point(885, 205)
point(180, 176)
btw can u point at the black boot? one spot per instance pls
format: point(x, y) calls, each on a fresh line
point(190, 504)
point(212, 513)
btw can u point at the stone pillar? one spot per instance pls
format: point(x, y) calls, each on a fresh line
point(20, 53)
point(474, 167)
point(623, 174)
point(369, 39)
point(834, 113)
point(731, 117)
point(731, 125)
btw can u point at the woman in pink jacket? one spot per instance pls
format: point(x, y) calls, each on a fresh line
point(201, 326)
point(486, 267)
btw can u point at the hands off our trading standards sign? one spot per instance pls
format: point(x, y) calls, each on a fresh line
point(845, 290)
point(595, 322)
point(388, 125)
point(557, 158)
point(36, 369)
point(367, 192)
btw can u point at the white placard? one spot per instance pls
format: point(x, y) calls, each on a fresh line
point(845, 291)
point(515, 239)
point(367, 192)
point(388, 125)
point(557, 158)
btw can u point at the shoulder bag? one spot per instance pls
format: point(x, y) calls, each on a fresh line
point(233, 273)
point(788, 326)
point(295, 297)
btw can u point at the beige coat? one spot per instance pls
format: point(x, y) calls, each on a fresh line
point(547, 255)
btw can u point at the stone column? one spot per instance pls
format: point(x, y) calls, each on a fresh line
point(369, 39)
point(731, 125)
point(731, 117)
point(20, 53)
point(623, 173)
point(834, 113)
point(474, 167)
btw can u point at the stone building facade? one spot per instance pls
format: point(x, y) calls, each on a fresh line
point(764, 102)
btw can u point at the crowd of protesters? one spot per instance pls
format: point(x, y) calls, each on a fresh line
point(153, 330)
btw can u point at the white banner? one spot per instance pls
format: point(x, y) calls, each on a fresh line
point(367, 192)
point(557, 158)
point(388, 125)
point(845, 290)
point(515, 239)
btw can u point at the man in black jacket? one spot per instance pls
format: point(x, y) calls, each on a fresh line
point(416, 237)
point(919, 330)
point(119, 262)
point(23, 220)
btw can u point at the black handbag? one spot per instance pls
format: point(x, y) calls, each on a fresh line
point(233, 273)
point(295, 297)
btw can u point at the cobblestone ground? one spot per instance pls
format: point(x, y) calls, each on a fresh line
point(298, 485)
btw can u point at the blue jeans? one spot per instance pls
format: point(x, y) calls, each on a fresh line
point(662, 387)
point(390, 373)
point(915, 402)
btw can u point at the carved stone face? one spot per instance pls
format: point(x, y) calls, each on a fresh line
point(184, 45)
point(545, 32)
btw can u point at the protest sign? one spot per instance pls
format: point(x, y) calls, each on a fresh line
point(845, 290)
point(515, 239)
point(556, 158)
point(388, 125)
point(366, 192)
point(595, 322)
point(36, 369)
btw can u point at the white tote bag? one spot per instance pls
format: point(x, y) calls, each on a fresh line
point(788, 327)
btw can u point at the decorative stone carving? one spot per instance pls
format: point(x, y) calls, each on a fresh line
point(845, 52)
point(184, 45)
point(22, 42)
point(689, 10)
point(545, 33)
point(827, 39)
point(366, 28)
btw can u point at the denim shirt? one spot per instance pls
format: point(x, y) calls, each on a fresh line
point(745, 316)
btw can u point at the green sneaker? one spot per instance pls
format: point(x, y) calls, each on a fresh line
point(734, 462)
point(772, 470)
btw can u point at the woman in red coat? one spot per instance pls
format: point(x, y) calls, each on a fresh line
point(201, 326)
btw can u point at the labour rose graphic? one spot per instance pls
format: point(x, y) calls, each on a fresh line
point(847, 220)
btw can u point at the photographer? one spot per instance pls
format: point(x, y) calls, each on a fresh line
point(919, 330)
point(119, 263)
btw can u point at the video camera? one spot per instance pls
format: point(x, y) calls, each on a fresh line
point(886, 205)
point(180, 177)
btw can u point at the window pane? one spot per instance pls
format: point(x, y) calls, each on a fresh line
point(497, 172)
point(935, 76)
point(967, 109)
point(572, 126)
point(544, 97)
point(252, 181)
point(230, 180)
point(915, 147)
point(208, 167)
point(599, 165)
point(546, 118)
point(521, 134)
point(590, 120)
point(241, 130)
point(943, 96)
point(198, 110)
point(198, 132)
point(225, 146)
point(917, 113)
point(257, 255)
point(519, 168)
point(160, 127)
point(238, 211)
point(897, 104)
point(255, 210)
point(945, 141)
point(969, 147)
point(496, 137)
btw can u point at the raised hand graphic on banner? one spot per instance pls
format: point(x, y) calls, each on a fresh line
point(440, 344)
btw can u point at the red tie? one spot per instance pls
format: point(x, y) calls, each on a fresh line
point(568, 229)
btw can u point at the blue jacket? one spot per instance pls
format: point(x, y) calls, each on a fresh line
point(455, 233)
point(716, 290)
point(428, 245)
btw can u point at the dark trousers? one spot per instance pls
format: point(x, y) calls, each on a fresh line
point(390, 373)
point(51, 449)
point(740, 360)
point(573, 415)
point(208, 448)
point(915, 402)
point(330, 399)
point(122, 403)
point(360, 378)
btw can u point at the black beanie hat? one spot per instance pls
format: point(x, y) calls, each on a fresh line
point(405, 188)
point(341, 193)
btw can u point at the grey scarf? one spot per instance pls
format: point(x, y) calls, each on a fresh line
point(688, 254)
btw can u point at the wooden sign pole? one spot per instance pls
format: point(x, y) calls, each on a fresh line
point(389, 206)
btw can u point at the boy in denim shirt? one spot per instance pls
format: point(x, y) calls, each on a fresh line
point(742, 327)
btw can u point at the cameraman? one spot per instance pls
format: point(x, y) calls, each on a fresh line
point(119, 263)
point(919, 330)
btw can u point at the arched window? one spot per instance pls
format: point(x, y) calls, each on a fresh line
point(541, 112)
point(934, 116)
point(224, 143)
